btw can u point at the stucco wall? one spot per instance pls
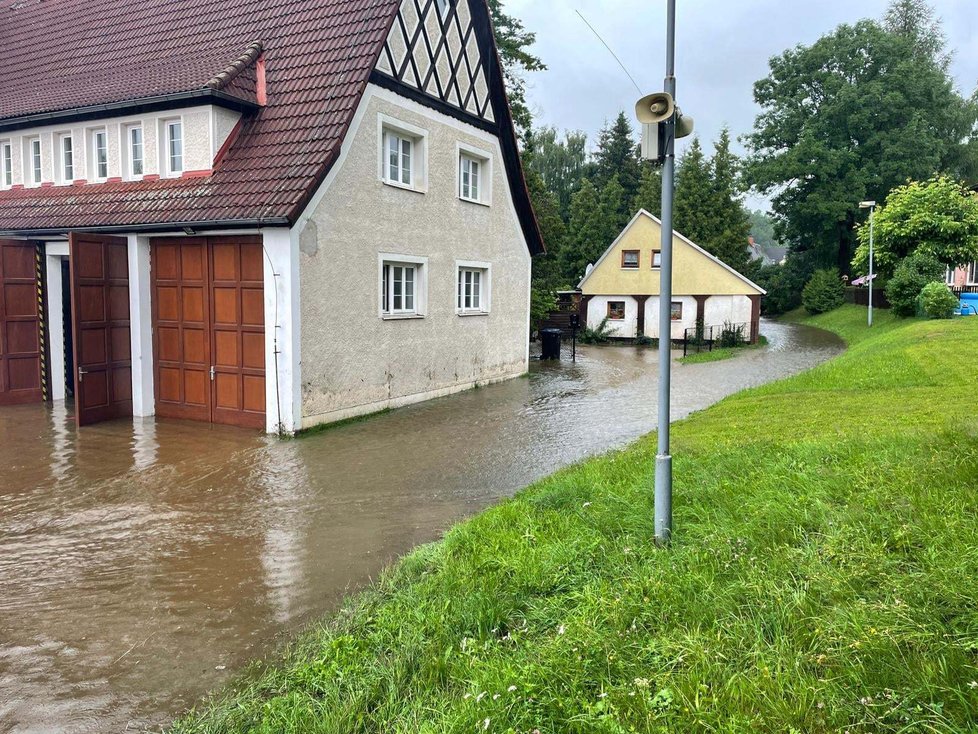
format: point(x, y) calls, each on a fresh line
point(597, 310)
point(694, 273)
point(718, 311)
point(354, 361)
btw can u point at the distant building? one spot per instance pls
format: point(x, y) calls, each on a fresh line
point(623, 286)
point(965, 277)
point(767, 254)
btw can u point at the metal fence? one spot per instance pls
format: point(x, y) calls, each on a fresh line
point(704, 338)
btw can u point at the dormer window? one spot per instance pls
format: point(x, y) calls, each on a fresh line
point(66, 149)
point(174, 147)
point(6, 164)
point(99, 148)
point(34, 173)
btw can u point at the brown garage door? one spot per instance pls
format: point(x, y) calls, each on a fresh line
point(20, 340)
point(209, 329)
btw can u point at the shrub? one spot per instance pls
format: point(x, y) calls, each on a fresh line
point(601, 334)
point(646, 341)
point(912, 274)
point(937, 301)
point(732, 335)
point(824, 292)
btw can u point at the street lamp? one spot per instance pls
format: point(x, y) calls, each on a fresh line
point(871, 205)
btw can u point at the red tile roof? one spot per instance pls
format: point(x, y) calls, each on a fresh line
point(65, 54)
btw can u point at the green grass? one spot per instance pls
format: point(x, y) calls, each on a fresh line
point(822, 578)
point(721, 353)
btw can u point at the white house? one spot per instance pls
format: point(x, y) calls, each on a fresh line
point(272, 217)
point(623, 287)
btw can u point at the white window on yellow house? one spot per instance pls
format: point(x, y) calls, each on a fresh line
point(656, 259)
point(616, 310)
point(676, 311)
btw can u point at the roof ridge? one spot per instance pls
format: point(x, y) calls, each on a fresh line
point(230, 72)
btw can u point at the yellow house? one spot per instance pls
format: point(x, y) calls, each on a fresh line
point(623, 286)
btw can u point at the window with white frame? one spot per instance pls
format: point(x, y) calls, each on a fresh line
point(174, 147)
point(99, 148)
point(949, 274)
point(34, 173)
point(134, 151)
point(656, 259)
point(473, 175)
point(402, 286)
point(472, 288)
point(402, 154)
point(973, 273)
point(67, 153)
point(6, 164)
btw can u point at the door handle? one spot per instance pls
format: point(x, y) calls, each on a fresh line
point(81, 374)
point(213, 371)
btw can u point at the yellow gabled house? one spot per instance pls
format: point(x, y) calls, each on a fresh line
point(623, 286)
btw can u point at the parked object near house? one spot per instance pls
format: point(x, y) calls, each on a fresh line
point(272, 219)
point(623, 286)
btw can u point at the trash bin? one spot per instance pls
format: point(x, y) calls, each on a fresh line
point(551, 343)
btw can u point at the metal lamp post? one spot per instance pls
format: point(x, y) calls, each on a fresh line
point(871, 205)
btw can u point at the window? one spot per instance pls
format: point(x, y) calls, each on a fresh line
point(656, 259)
point(134, 151)
point(472, 288)
point(402, 286)
point(973, 273)
point(630, 259)
point(676, 311)
point(949, 274)
point(34, 161)
point(403, 154)
point(67, 158)
point(474, 175)
point(616, 310)
point(174, 148)
point(6, 164)
point(400, 159)
point(100, 155)
point(471, 175)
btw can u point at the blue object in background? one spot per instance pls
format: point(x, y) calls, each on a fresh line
point(969, 304)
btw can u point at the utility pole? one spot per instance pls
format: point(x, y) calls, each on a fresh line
point(871, 205)
point(663, 459)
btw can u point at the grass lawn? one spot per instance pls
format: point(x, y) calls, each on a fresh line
point(823, 578)
point(721, 353)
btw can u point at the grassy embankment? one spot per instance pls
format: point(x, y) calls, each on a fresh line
point(824, 577)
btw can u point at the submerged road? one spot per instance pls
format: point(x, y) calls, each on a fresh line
point(141, 564)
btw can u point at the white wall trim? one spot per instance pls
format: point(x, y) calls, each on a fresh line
point(55, 325)
point(141, 327)
point(283, 372)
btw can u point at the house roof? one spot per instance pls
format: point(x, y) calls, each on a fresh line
point(67, 55)
point(643, 213)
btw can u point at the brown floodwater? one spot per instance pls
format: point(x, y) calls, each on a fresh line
point(142, 564)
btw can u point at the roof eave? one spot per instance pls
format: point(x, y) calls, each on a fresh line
point(175, 100)
point(153, 227)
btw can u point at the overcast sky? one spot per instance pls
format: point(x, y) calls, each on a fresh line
point(723, 48)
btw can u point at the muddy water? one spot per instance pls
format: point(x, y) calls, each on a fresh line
point(142, 564)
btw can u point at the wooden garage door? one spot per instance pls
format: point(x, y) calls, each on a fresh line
point(20, 340)
point(209, 329)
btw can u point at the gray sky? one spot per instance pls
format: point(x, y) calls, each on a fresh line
point(723, 48)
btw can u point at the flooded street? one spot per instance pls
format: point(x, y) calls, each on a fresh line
point(143, 564)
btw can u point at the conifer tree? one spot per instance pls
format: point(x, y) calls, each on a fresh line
point(617, 155)
point(614, 211)
point(694, 194)
point(586, 233)
point(649, 196)
point(731, 223)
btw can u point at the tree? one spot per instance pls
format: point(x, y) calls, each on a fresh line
point(513, 42)
point(614, 211)
point(903, 289)
point(731, 226)
point(586, 233)
point(617, 155)
point(916, 21)
point(762, 229)
point(561, 162)
point(824, 292)
point(547, 276)
point(847, 119)
point(938, 217)
point(649, 195)
point(694, 188)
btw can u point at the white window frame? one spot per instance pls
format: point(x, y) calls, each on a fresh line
point(972, 270)
point(6, 164)
point(388, 126)
point(484, 159)
point(485, 287)
point(949, 275)
point(657, 259)
point(33, 154)
point(391, 260)
point(127, 154)
point(64, 175)
point(166, 140)
point(93, 148)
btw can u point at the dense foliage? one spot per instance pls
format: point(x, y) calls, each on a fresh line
point(938, 217)
point(937, 301)
point(824, 292)
point(903, 289)
point(850, 118)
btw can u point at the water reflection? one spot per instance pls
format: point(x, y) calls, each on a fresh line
point(142, 563)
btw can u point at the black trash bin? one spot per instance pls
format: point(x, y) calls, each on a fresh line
point(551, 343)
